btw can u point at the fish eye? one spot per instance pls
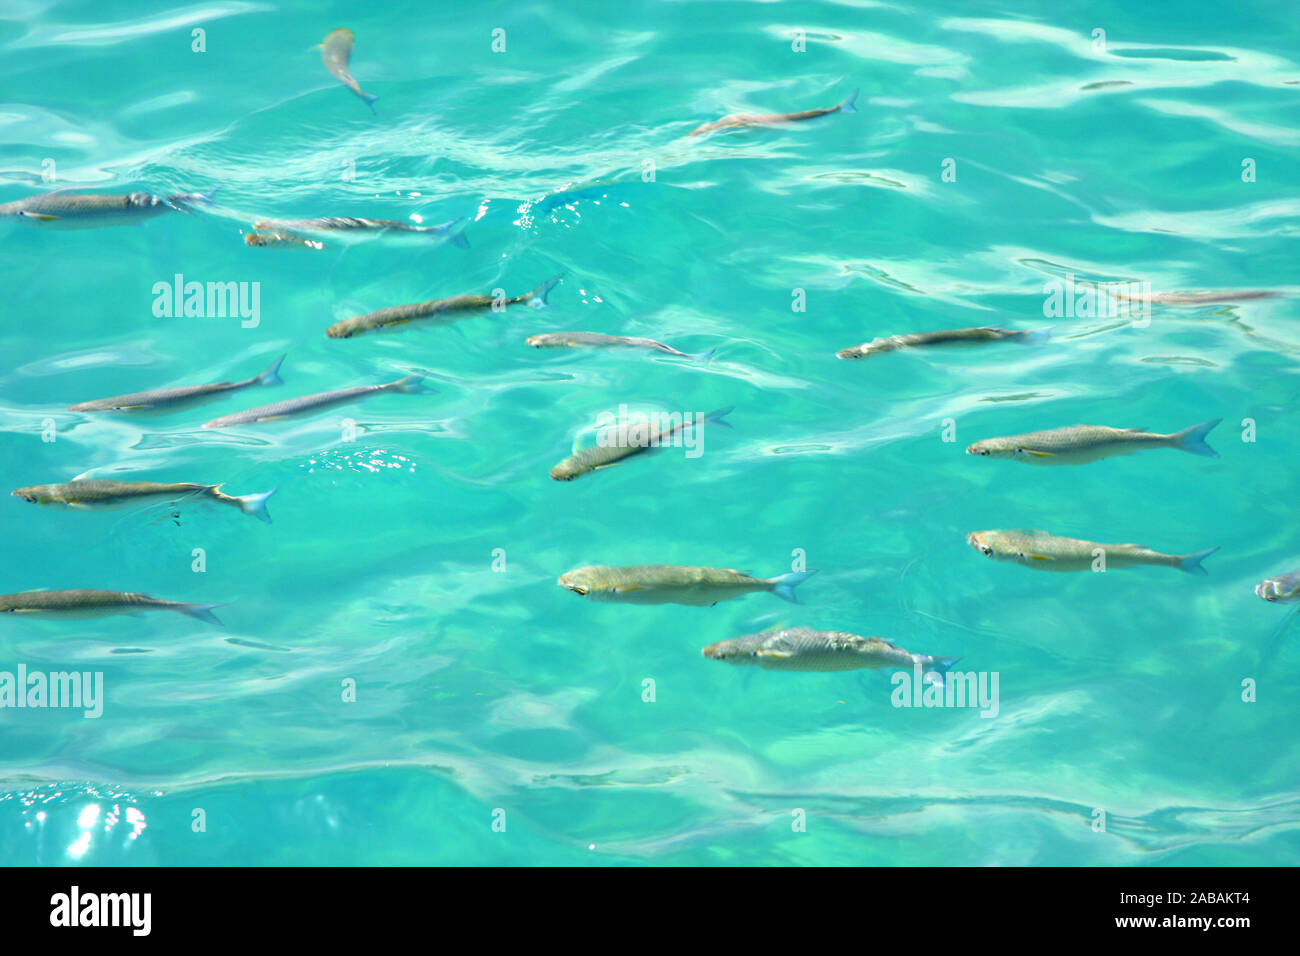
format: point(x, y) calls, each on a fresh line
point(986, 549)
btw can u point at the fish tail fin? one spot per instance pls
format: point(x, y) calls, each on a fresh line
point(411, 385)
point(705, 356)
point(255, 505)
point(370, 101)
point(783, 585)
point(936, 667)
point(455, 238)
point(847, 106)
point(716, 418)
point(203, 612)
point(1191, 563)
point(1193, 439)
point(537, 298)
point(1037, 336)
point(272, 375)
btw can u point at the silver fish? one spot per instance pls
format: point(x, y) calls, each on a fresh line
point(68, 210)
point(349, 225)
point(805, 649)
point(80, 604)
point(439, 311)
point(97, 493)
point(598, 340)
point(336, 51)
point(410, 385)
point(974, 336)
point(736, 120)
point(167, 397)
point(1081, 444)
point(1218, 297)
point(639, 438)
point(1048, 552)
point(669, 584)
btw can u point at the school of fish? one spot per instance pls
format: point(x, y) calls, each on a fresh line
point(799, 648)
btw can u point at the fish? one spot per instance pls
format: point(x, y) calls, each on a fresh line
point(738, 120)
point(450, 309)
point(71, 210)
point(668, 584)
point(336, 50)
point(93, 493)
point(976, 336)
point(347, 225)
point(806, 649)
point(167, 397)
point(1047, 552)
point(410, 385)
point(598, 340)
point(1199, 298)
point(264, 239)
point(1284, 588)
point(79, 604)
point(639, 437)
point(1080, 444)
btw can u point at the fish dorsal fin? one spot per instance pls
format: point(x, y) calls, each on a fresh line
point(85, 475)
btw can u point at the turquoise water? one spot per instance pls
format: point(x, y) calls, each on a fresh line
point(418, 559)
